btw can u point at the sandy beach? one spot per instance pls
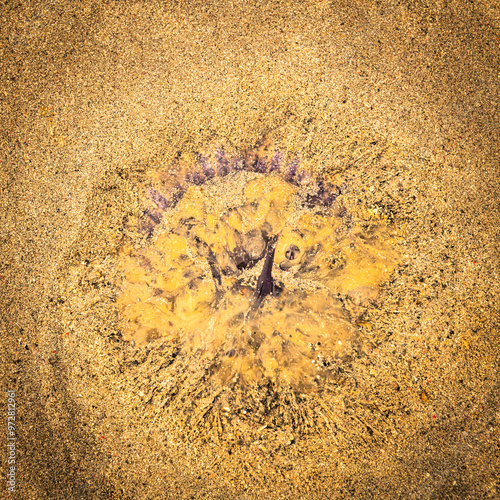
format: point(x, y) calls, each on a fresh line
point(381, 118)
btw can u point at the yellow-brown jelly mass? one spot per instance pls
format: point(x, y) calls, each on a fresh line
point(194, 281)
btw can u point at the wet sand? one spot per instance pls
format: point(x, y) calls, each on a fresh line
point(398, 100)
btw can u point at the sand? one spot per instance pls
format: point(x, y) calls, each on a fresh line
point(399, 100)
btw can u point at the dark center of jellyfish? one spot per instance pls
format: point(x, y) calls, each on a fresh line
point(256, 245)
point(266, 285)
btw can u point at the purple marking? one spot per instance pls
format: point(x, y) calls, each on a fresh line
point(249, 164)
point(237, 163)
point(208, 171)
point(321, 187)
point(205, 166)
point(154, 216)
point(312, 200)
point(303, 178)
point(222, 170)
point(291, 170)
point(222, 162)
point(328, 199)
point(176, 196)
point(196, 178)
point(159, 199)
point(276, 162)
point(260, 165)
point(147, 227)
point(325, 194)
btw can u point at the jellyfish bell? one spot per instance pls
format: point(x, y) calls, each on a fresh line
point(240, 271)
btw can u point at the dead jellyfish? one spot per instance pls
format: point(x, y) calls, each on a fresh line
point(245, 270)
